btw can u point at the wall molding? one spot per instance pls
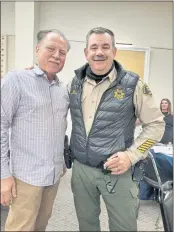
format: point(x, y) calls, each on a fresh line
point(3, 55)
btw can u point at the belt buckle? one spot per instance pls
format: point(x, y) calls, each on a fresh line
point(105, 170)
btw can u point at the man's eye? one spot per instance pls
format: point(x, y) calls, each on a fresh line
point(93, 49)
point(62, 53)
point(51, 49)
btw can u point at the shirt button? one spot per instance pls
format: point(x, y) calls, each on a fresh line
point(90, 116)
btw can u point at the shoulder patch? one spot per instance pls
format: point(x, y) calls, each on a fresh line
point(146, 90)
point(73, 91)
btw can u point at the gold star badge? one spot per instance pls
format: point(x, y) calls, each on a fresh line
point(119, 94)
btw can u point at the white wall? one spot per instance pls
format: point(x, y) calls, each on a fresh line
point(8, 28)
point(161, 74)
point(7, 18)
point(145, 24)
point(36, 24)
point(11, 52)
point(137, 23)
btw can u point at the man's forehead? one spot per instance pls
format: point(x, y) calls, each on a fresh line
point(100, 39)
point(54, 38)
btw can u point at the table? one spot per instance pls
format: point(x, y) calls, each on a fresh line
point(164, 164)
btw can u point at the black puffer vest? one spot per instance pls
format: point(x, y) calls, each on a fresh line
point(114, 122)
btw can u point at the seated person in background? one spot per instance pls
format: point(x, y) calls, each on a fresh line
point(165, 107)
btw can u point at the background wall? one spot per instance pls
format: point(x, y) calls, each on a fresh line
point(8, 28)
point(11, 52)
point(143, 24)
point(8, 18)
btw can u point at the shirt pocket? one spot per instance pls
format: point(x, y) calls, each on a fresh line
point(60, 108)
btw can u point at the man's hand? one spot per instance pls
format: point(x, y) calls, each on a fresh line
point(29, 67)
point(118, 163)
point(8, 190)
point(64, 170)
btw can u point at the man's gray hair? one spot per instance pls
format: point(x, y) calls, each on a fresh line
point(100, 30)
point(42, 34)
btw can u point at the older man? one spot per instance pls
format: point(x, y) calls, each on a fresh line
point(105, 101)
point(34, 104)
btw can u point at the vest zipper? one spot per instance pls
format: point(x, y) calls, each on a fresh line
point(81, 109)
point(87, 141)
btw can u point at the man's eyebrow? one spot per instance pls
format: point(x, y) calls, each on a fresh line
point(106, 44)
point(54, 46)
point(50, 45)
point(94, 45)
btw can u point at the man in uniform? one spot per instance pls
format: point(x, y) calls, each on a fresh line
point(105, 101)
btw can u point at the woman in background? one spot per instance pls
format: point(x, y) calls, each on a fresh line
point(165, 107)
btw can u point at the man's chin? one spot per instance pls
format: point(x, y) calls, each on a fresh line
point(54, 71)
point(99, 71)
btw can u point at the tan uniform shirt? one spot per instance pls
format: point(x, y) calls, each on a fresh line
point(145, 109)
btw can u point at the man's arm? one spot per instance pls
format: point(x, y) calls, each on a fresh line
point(153, 125)
point(10, 97)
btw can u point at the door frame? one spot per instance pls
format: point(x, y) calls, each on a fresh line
point(147, 57)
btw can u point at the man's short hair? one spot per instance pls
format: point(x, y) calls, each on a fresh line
point(42, 34)
point(100, 30)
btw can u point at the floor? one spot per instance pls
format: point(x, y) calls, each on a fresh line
point(64, 217)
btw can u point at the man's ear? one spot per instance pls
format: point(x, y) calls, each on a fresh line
point(37, 50)
point(86, 52)
point(114, 51)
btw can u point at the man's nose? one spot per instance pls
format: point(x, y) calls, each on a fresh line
point(99, 52)
point(56, 54)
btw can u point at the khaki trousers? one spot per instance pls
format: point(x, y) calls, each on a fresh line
point(32, 208)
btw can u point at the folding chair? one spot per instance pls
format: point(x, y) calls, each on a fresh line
point(165, 192)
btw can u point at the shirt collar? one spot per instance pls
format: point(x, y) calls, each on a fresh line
point(37, 70)
point(112, 76)
point(40, 72)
